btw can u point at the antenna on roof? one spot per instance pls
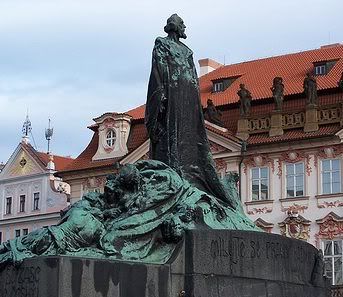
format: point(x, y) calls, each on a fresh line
point(48, 135)
point(224, 61)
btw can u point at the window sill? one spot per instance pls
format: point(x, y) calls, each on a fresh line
point(300, 198)
point(258, 202)
point(323, 196)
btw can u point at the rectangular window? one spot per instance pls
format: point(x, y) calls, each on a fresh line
point(8, 205)
point(331, 176)
point(218, 86)
point(295, 180)
point(21, 203)
point(17, 233)
point(25, 231)
point(36, 201)
point(260, 183)
point(320, 69)
point(333, 258)
point(0, 237)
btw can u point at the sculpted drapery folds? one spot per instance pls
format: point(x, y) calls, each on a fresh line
point(174, 117)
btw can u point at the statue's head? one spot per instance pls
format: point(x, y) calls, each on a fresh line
point(129, 177)
point(175, 24)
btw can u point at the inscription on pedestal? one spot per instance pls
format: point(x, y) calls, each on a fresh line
point(253, 255)
point(20, 282)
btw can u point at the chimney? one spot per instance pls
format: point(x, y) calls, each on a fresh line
point(208, 65)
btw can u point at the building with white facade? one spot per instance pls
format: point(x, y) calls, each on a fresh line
point(31, 196)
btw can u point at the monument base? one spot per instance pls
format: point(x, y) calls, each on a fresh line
point(211, 263)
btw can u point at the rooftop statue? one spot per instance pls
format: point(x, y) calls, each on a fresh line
point(277, 90)
point(245, 100)
point(147, 206)
point(310, 89)
point(212, 114)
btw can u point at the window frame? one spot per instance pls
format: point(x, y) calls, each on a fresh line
point(17, 233)
point(333, 256)
point(110, 141)
point(25, 231)
point(294, 180)
point(218, 86)
point(22, 203)
point(320, 69)
point(331, 179)
point(36, 205)
point(252, 179)
point(8, 210)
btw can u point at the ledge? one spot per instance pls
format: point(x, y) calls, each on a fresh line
point(293, 199)
point(324, 196)
point(258, 202)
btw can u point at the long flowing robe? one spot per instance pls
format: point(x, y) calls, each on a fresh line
point(174, 117)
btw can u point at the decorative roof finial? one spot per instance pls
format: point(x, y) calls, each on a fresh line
point(48, 135)
point(26, 129)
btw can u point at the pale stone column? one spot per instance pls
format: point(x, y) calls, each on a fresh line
point(276, 124)
point(243, 128)
point(311, 119)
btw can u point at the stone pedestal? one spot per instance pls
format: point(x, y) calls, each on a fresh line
point(276, 124)
point(243, 128)
point(311, 119)
point(211, 263)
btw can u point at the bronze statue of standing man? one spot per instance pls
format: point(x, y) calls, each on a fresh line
point(173, 115)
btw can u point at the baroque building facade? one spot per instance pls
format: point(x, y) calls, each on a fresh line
point(31, 196)
point(278, 125)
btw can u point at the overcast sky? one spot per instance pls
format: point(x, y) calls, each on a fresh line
point(72, 60)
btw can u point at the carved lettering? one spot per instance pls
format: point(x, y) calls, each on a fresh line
point(20, 282)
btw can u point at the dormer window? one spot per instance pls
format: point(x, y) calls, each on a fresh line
point(320, 69)
point(110, 138)
point(218, 86)
point(323, 67)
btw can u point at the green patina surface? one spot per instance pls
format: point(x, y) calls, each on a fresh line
point(141, 217)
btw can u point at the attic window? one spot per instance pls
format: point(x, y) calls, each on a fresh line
point(320, 69)
point(324, 67)
point(218, 86)
point(110, 138)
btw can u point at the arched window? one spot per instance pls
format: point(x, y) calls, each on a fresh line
point(110, 138)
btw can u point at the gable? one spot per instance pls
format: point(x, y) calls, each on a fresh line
point(220, 147)
point(21, 163)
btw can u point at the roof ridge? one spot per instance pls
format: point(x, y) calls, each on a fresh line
point(276, 56)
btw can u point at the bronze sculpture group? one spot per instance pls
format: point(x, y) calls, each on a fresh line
point(147, 206)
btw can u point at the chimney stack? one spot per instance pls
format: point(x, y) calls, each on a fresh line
point(208, 65)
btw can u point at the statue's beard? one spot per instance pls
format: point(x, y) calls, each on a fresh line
point(182, 35)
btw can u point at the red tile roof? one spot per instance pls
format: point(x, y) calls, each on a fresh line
point(257, 75)
point(294, 134)
point(43, 158)
point(60, 162)
point(138, 135)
